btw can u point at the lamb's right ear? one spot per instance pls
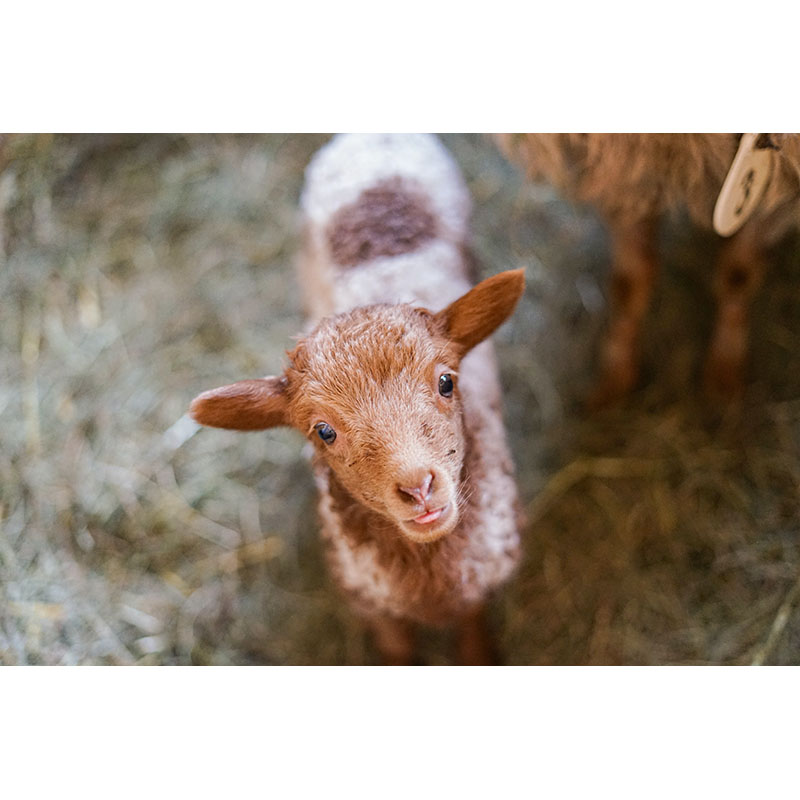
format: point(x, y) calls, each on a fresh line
point(476, 314)
point(244, 406)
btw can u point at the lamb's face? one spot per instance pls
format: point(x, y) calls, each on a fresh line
point(377, 393)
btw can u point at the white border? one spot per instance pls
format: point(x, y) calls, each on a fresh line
point(391, 732)
point(322, 66)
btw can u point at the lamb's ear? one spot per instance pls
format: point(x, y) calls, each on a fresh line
point(475, 315)
point(244, 406)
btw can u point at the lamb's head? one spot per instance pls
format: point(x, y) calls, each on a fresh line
point(376, 392)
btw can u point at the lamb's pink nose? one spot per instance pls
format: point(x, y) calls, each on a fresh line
point(422, 491)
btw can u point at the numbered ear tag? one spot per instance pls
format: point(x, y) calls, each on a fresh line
point(744, 186)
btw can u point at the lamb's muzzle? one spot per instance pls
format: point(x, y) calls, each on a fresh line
point(419, 492)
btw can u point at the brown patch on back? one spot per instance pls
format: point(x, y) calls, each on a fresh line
point(386, 220)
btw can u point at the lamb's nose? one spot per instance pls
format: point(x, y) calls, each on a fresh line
point(421, 492)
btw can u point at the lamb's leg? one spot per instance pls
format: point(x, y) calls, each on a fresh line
point(739, 274)
point(395, 640)
point(633, 273)
point(475, 644)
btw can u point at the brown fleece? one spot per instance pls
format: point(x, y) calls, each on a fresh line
point(388, 219)
point(633, 179)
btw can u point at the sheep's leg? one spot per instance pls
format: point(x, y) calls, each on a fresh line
point(633, 273)
point(475, 644)
point(739, 274)
point(394, 638)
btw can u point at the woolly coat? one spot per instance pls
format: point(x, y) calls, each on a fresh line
point(385, 220)
point(635, 176)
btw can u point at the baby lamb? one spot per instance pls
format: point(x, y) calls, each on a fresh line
point(633, 179)
point(397, 391)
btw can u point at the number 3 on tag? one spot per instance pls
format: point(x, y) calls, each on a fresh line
point(744, 186)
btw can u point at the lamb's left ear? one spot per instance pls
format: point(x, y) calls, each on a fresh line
point(475, 315)
point(244, 406)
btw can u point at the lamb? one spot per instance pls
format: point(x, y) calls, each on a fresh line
point(633, 179)
point(397, 390)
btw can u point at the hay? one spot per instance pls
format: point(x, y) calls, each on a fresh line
point(137, 271)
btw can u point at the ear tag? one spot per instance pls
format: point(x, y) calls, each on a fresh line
point(744, 186)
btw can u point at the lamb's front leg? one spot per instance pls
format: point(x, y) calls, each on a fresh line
point(740, 271)
point(394, 638)
point(475, 644)
point(633, 273)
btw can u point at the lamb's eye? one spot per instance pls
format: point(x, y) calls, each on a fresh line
point(325, 432)
point(446, 385)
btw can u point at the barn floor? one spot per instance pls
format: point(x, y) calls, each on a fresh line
point(136, 271)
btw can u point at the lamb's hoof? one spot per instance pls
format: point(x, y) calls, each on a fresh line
point(476, 645)
point(393, 660)
point(479, 659)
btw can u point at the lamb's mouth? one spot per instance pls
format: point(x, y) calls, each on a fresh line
point(431, 525)
point(430, 516)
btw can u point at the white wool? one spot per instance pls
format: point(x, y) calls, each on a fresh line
point(351, 163)
point(356, 568)
point(431, 277)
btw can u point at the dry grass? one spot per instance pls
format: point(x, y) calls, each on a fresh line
point(137, 271)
